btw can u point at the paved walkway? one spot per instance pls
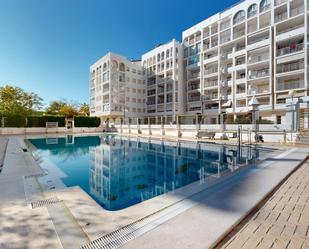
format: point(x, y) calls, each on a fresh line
point(283, 222)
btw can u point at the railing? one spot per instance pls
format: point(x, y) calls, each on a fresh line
point(258, 58)
point(210, 56)
point(211, 71)
point(238, 34)
point(193, 99)
point(297, 11)
point(281, 17)
point(225, 39)
point(259, 74)
point(258, 90)
point(194, 76)
point(264, 24)
point(193, 87)
point(211, 83)
point(252, 29)
point(259, 39)
point(290, 29)
point(290, 85)
point(290, 49)
point(210, 96)
point(214, 44)
point(290, 67)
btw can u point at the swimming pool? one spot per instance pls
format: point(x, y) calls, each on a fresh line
point(118, 172)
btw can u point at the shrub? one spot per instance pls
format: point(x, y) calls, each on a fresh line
point(84, 121)
point(243, 120)
point(14, 121)
point(40, 121)
point(264, 121)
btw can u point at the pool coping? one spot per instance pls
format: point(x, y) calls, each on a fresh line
point(117, 219)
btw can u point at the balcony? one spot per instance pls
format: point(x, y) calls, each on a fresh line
point(258, 58)
point(297, 11)
point(265, 8)
point(213, 96)
point(297, 30)
point(213, 83)
point(281, 17)
point(239, 33)
point(288, 85)
point(194, 99)
point(259, 74)
point(210, 71)
point(194, 76)
point(193, 87)
point(293, 48)
point(290, 67)
point(258, 90)
point(279, 2)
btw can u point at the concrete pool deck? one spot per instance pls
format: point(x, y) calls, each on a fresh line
point(87, 221)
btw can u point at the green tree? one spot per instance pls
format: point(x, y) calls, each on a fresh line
point(16, 101)
point(84, 109)
point(55, 107)
point(69, 111)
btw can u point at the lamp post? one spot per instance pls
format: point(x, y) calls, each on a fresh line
point(254, 103)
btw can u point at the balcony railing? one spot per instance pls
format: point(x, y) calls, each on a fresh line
point(210, 96)
point(193, 99)
point(194, 76)
point(290, 67)
point(258, 58)
point(211, 71)
point(258, 90)
point(290, 29)
point(258, 39)
point(259, 74)
point(239, 33)
point(290, 49)
point(211, 83)
point(193, 87)
point(290, 85)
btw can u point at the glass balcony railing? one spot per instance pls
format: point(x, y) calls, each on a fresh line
point(211, 71)
point(259, 74)
point(258, 58)
point(193, 87)
point(290, 85)
point(290, 67)
point(290, 49)
point(211, 83)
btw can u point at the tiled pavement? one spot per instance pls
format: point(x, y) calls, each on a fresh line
point(283, 222)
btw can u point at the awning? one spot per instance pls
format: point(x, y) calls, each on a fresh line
point(227, 104)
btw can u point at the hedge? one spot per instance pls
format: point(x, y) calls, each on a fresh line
point(84, 121)
point(14, 121)
point(40, 121)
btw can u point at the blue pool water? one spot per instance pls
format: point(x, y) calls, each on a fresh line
point(119, 172)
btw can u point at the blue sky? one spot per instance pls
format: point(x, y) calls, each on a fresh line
point(47, 46)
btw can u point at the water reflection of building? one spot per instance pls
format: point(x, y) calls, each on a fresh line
point(127, 171)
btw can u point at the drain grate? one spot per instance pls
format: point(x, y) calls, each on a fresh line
point(35, 175)
point(44, 203)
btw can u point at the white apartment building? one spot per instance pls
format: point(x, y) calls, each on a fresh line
point(117, 88)
point(163, 74)
point(256, 48)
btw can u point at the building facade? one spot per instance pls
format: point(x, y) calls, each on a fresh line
point(256, 48)
point(117, 89)
point(163, 74)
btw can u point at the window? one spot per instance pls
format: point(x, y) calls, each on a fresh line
point(278, 120)
point(239, 17)
point(252, 10)
point(264, 5)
